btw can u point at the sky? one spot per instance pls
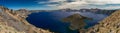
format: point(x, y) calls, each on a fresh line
point(60, 4)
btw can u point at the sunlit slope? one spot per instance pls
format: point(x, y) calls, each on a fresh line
point(14, 21)
point(110, 24)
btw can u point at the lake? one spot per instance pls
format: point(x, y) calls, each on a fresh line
point(52, 20)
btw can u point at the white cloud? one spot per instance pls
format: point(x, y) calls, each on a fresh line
point(77, 4)
point(72, 4)
point(57, 0)
point(103, 1)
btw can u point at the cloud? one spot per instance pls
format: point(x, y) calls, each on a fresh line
point(57, 0)
point(78, 4)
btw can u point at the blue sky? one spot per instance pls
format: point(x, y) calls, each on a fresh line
point(27, 4)
point(60, 4)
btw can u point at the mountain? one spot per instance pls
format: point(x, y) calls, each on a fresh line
point(76, 20)
point(12, 21)
point(92, 10)
point(110, 24)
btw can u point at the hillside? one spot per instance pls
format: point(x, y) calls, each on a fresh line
point(14, 21)
point(110, 24)
point(76, 20)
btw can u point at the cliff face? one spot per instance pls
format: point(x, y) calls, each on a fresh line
point(110, 24)
point(14, 21)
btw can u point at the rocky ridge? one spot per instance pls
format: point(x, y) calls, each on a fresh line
point(14, 22)
point(110, 24)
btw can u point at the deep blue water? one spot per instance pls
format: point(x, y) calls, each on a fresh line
point(52, 20)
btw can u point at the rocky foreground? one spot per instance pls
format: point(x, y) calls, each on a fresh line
point(110, 24)
point(14, 22)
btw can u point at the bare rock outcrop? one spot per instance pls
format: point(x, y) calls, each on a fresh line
point(110, 24)
point(15, 21)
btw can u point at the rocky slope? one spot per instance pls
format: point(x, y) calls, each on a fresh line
point(110, 24)
point(8, 29)
point(14, 22)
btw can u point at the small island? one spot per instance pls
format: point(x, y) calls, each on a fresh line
point(76, 21)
